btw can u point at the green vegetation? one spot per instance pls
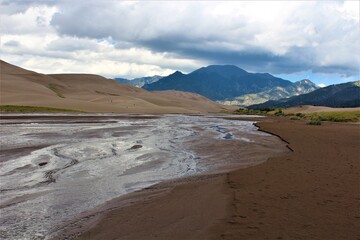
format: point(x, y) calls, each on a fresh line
point(262, 111)
point(17, 108)
point(279, 112)
point(314, 122)
point(345, 116)
point(334, 116)
point(55, 89)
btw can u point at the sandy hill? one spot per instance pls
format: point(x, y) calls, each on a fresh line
point(93, 93)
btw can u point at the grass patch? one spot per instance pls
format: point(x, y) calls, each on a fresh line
point(18, 108)
point(55, 89)
point(314, 122)
point(244, 111)
point(314, 118)
point(348, 116)
point(279, 112)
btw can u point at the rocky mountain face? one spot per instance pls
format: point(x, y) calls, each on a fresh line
point(139, 82)
point(338, 95)
point(276, 93)
point(219, 82)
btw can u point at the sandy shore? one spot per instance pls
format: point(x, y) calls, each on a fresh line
point(310, 193)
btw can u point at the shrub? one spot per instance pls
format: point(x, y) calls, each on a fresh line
point(245, 111)
point(279, 113)
point(314, 122)
point(266, 109)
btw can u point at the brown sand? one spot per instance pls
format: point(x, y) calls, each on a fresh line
point(311, 193)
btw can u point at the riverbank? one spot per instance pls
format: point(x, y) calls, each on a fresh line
point(311, 193)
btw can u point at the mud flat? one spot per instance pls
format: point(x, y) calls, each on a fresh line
point(56, 169)
point(310, 193)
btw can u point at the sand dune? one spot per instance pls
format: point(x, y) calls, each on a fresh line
point(93, 93)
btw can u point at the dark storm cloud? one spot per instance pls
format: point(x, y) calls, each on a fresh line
point(296, 60)
point(197, 33)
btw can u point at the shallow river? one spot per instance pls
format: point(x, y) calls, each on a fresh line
point(53, 167)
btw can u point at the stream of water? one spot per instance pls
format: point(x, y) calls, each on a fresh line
point(53, 168)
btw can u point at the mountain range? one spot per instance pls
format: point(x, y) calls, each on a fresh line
point(218, 82)
point(93, 93)
point(276, 93)
point(338, 95)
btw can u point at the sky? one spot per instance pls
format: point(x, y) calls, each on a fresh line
point(316, 40)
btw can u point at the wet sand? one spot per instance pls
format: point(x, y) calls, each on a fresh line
point(310, 193)
point(67, 165)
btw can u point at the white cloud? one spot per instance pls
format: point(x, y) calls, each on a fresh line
point(33, 43)
point(35, 20)
point(52, 54)
point(321, 85)
point(118, 38)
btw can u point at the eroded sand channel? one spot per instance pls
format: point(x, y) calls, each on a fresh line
point(54, 167)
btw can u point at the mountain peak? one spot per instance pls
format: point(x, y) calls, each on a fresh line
point(221, 68)
point(226, 71)
point(218, 82)
point(177, 73)
point(306, 82)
